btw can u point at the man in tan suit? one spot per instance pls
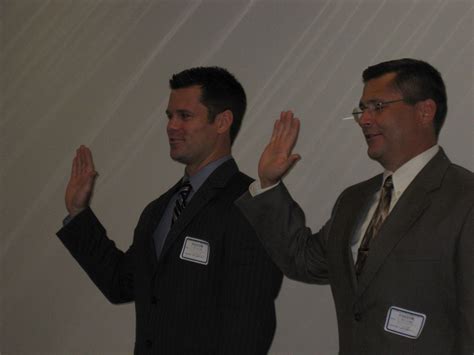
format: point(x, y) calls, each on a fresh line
point(398, 249)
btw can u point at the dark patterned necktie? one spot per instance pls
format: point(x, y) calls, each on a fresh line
point(180, 204)
point(381, 212)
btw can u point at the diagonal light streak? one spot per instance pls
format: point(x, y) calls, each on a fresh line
point(58, 174)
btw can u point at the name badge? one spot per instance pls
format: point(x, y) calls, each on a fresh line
point(195, 250)
point(404, 322)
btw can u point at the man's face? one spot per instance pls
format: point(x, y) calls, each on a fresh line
point(193, 139)
point(394, 134)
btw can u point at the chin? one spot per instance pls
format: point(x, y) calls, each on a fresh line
point(179, 158)
point(174, 156)
point(374, 154)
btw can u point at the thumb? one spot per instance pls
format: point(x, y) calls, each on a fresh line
point(293, 159)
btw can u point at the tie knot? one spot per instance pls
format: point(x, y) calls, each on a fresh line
point(388, 184)
point(181, 198)
point(185, 184)
point(185, 189)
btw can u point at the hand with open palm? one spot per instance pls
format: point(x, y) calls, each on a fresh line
point(277, 158)
point(81, 183)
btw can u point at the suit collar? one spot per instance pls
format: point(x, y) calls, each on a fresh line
point(214, 183)
point(405, 174)
point(408, 209)
point(202, 175)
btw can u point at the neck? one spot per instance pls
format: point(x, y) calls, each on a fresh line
point(395, 165)
point(193, 169)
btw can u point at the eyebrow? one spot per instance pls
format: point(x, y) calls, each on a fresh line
point(168, 112)
point(371, 100)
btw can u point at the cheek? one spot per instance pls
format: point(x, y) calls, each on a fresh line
point(402, 129)
point(388, 128)
point(204, 132)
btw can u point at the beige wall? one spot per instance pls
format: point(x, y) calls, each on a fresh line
point(95, 72)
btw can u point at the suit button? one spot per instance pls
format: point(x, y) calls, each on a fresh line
point(148, 343)
point(357, 316)
point(154, 300)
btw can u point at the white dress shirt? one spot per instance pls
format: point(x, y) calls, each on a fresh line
point(402, 177)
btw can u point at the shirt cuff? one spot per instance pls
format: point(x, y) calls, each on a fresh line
point(256, 189)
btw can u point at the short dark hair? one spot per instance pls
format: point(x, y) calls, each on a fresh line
point(220, 91)
point(417, 81)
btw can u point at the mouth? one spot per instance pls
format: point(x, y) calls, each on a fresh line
point(370, 136)
point(174, 141)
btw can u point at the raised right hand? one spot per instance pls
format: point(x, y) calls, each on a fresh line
point(81, 183)
point(277, 158)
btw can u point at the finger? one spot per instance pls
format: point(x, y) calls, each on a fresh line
point(275, 131)
point(292, 160)
point(80, 160)
point(74, 168)
point(290, 133)
point(89, 162)
point(283, 123)
point(286, 117)
point(84, 158)
point(293, 132)
point(288, 124)
point(279, 125)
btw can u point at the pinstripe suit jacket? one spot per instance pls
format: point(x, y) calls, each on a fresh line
point(422, 259)
point(184, 307)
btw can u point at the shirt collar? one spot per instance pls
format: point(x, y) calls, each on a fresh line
point(405, 174)
point(198, 179)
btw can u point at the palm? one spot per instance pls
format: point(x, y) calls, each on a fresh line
point(81, 183)
point(277, 158)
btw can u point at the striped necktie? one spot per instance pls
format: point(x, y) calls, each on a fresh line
point(381, 212)
point(180, 204)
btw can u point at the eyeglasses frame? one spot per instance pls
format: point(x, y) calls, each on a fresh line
point(372, 107)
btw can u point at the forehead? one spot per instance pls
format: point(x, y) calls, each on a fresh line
point(380, 88)
point(185, 97)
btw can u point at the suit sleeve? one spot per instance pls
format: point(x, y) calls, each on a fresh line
point(465, 285)
point(281, 227)
point(251, 284)
point(107, 266)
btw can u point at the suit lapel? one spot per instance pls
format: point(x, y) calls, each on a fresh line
point(359, 205)
point(157, 214)
point(350, 211)
point(413, 202)
point(211, 187)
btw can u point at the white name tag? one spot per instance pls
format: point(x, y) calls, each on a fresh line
point(404, 322)
point(195, 250)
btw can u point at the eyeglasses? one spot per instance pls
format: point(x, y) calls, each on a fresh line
point(371, 107)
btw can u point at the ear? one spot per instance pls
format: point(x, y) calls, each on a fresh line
point(223, 121)
point(426, 111)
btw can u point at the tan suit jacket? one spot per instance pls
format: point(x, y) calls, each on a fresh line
point(421, 261)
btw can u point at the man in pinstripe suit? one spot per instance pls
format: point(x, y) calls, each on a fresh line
point(200, 280)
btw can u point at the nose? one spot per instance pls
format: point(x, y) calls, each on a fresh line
point(365, 119)
point(173, 124)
